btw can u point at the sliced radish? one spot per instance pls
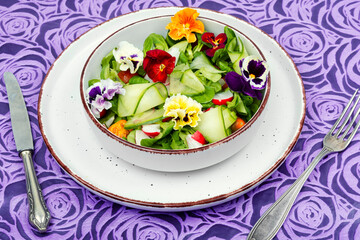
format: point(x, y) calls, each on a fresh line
point(140, 135)
point(152, 130)
point(192, 143)
point(222, 98)
point(167, 119)
point(197, 136)
point(102, 113)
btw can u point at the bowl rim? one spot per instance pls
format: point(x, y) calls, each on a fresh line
point(172, 151)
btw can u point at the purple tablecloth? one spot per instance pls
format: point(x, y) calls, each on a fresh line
point(323, 39)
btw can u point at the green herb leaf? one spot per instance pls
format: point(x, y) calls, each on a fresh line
point(137, 80)
point(93, 81)
point(205, 97)
point(154, 41)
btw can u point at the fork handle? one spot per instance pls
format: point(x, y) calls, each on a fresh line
point(271, 221)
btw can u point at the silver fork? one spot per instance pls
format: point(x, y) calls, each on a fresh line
point(271, 221)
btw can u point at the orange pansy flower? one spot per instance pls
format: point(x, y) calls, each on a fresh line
point(183, 24)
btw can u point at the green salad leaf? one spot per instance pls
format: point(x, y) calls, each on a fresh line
point(154, 41)
point(137, 80)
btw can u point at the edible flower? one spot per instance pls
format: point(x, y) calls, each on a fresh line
point(99, 94)
point(118, 129)
point(238, 83)
point(129, 56)
point(255, 71)
point(158, 64)
point(183, 110)
point(183, 24)
point(217, 42)
point(253, 77)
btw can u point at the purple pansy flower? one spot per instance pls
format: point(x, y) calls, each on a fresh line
point(253, 77)
point(238, 83)
point(99, 94)
point(255, 71)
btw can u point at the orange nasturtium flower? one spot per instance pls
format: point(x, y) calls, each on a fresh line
point(184, 24)
point(118, 129)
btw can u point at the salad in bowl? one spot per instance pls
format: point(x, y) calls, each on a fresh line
point(193, 86)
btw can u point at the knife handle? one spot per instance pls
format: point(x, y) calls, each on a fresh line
point(39, 215)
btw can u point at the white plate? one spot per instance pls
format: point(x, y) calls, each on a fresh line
point(68, 136)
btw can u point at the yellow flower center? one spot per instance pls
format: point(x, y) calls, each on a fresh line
point(162, 67)
point(183, 110)
point(186, 26)
point(252, 76)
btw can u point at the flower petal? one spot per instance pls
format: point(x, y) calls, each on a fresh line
point(238, 83)
point(208, 37)
point(183, 24)
point(234, 81)
point(129, 56)
point(221, 38)
point(158, 64)
point(94, 90)
point(256, 67)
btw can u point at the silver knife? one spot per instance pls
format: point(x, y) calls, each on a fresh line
point(39, 215)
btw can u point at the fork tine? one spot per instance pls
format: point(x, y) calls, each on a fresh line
point(343, 113)
point(352, 122)
point(347, 117)
point(353, 133)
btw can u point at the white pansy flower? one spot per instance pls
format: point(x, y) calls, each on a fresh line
point(129, 56)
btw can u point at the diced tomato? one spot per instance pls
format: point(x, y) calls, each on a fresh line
point(239, 123)
point(125, 76)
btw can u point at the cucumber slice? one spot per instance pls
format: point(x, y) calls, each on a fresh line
point(191, 80)
point(212, 125)
point(176, 86)
point(131, 137)
point(148, 117)
point(214, 77)
point(128, 102)
point(236, 63)
point(141, 97)
point(108, 119)
point(153, 96)
point(241, 107)
point(229, 117)
point(201, 61)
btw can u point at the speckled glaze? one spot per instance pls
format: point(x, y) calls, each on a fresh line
point(160, 159)
point(83, 155)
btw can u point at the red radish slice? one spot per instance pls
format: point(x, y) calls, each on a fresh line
point(102, 113)
point(197, 136)
point(167, 119)
point(192, 143)
point(222, 98)
point(140, 135)
point(152, 130)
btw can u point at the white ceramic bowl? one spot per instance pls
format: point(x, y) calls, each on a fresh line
point(159, 159)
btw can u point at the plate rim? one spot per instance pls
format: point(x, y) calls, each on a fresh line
point(179, 205)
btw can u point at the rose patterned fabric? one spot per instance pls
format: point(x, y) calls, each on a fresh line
point(323, 39)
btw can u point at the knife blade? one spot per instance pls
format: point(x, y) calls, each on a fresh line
point(19, 115)
point(39, 215)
